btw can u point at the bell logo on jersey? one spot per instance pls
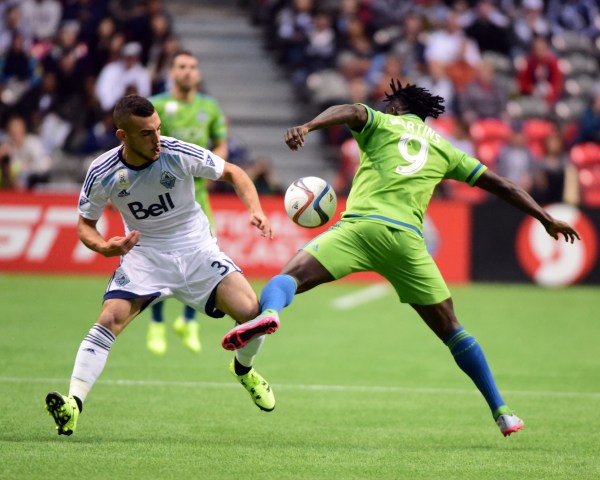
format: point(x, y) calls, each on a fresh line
point(165, 203)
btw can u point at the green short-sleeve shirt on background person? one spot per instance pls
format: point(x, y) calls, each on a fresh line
point(200, 121)
point(401, 161)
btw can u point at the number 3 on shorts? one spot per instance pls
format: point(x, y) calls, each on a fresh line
point(416, 160)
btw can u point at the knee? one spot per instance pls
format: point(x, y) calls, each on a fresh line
point(112, 321)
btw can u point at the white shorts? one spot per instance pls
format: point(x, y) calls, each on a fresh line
point(190, 275)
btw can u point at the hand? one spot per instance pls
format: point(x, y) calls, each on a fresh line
point(117, 246)
point(260, 221)
point(294, 137)
point(556, 227)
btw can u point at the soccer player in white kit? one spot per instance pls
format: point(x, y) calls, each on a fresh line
point(167, 251)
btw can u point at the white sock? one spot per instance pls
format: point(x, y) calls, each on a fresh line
point(245, 355)
point(90, 360)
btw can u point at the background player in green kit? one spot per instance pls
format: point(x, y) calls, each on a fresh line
point(401, 161)
point(195, 118)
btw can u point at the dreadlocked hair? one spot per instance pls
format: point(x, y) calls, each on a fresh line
point(417, 100)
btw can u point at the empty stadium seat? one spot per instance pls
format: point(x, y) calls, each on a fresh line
point(536, 130)
point(444, 125)
point(589, 184)
point(462, 192)
point(488, 150)
point(487, 129)
point(585, 155)
point(528, 106)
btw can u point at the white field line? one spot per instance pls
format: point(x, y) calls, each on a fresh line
point(365, 295)
point(319, 388)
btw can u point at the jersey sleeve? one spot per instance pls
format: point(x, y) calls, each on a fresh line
point(196, 161)
point(373, 120)
point(93, 197)
point(466, 169)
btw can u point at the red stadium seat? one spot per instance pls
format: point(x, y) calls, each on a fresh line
point(463, 192)
point(444, 125)
point(536, 130)
point(488, 150)
point(589, 181)
point(585, 155)
point(490, 129)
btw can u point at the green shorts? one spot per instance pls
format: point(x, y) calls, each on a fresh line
point(398, 255)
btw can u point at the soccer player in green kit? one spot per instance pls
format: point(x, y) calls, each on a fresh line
point(195, 118)
point(401, 161)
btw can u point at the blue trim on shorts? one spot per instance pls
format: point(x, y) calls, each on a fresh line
point(385, 219)
point(130, 296)
point(210, 309)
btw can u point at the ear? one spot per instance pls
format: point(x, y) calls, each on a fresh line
point(121, 134)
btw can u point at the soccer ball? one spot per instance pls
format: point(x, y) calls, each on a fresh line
point(310, 202)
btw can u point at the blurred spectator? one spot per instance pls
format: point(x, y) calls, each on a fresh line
point(39, 101)
point(263, 175)
point(159, 63)
point(449, 44)
point(589, 124)
point(438, 83)
point(12, 25)
point(101, 46)
point(516, 161)
point(531, 23)
point(294, 24)
point(579, 16)
point(460, 137)
point(101, 136)
point(383, 13)
point(410, 46)
point(436, 12)
point(41, 18)
point(484, 97)
point(320, 49)
point(117, 77)
point(489, 29)
point(555, 178)
point(24, 162)
point(539, 73)
point(18, 71)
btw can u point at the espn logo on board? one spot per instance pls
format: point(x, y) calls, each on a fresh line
point(31, 232)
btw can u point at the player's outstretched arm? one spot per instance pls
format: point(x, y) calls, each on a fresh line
point(246, 190)
point(115, 246)
point(519, 198)
point(355, 116)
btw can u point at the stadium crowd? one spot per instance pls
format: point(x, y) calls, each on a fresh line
point(519, 77)
point(63, 66)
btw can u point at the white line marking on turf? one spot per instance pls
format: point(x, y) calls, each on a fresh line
point(319, 388)
point(362, 296)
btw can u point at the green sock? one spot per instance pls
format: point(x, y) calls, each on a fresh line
point(503, 410)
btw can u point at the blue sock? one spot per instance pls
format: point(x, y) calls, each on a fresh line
point(470, 358)
point(278, 293)
point(189, 313)
point(157, 312)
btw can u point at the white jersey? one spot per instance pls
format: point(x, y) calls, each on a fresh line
point(157, 199)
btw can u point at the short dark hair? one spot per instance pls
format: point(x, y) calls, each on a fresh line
point(132, 105)
point(179, 53)
point(417, 100)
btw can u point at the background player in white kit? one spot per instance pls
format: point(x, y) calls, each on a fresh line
point(167, 250)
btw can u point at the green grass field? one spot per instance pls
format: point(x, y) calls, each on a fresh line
point(363, 392)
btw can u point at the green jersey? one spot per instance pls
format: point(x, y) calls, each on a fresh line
point(200, 122)
point(401, 161)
